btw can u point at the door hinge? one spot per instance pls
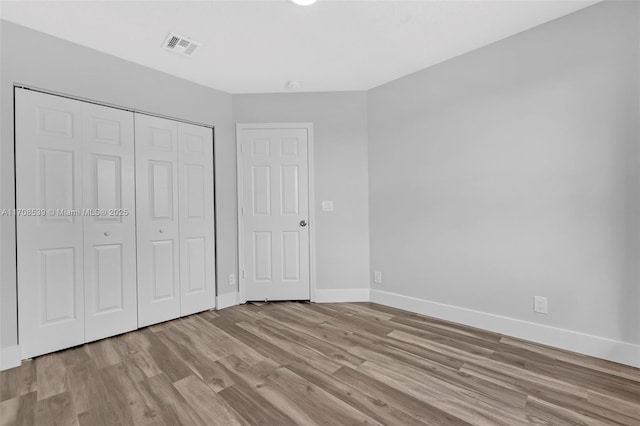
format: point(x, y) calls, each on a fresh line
point(242, 211)
point(241, 148)
point(244, 274)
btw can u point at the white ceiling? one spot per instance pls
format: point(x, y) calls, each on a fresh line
point(257, 46)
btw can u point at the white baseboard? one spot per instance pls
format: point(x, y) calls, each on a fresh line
point(599, 347)
point(342, 295)
point(10, 357)
point(226, 300)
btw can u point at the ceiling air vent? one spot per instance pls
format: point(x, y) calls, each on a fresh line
point(178, 44)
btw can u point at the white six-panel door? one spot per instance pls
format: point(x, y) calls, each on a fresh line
point(110, 226)
point(274, 213)
point(50, 242)
point(197, 244)
point(158, 225)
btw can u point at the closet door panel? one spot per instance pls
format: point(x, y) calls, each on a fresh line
point(109, 222)
point(49, 223)
point(197, 239)
point(157, 219)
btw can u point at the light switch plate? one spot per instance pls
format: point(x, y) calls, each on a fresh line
point(327, 205)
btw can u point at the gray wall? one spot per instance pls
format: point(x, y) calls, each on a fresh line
point(340, 165)
point(35, 59)
point(512, 171)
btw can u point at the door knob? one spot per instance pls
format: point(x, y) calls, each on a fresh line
point(161, 231)
point(107, 233)
point(303, 223)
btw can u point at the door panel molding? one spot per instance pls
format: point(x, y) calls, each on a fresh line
point(285, 206)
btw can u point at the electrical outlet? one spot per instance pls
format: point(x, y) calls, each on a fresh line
point(232, 279)
point(540, 305)
point(377, 277)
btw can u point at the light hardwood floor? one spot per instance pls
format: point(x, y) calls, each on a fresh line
point(295, 363)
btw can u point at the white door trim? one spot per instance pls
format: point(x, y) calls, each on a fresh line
point(109, 105)
point(312, 218)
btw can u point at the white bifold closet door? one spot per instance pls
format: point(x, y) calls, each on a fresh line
point(197, 239)
point(76, 270)
point(174, 181)
point(108, 181)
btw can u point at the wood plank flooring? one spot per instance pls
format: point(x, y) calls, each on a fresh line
point(299, 363)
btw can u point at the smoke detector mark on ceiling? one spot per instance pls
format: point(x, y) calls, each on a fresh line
point(178, 44)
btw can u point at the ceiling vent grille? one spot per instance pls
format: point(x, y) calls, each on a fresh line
point(178, 44)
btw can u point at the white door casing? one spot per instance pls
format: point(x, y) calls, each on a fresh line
point(196, 215)
point(157, 219)
point(50, 245)
point(274, 215)
point(110, 229)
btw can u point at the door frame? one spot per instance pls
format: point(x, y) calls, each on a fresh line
point(239, 197)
